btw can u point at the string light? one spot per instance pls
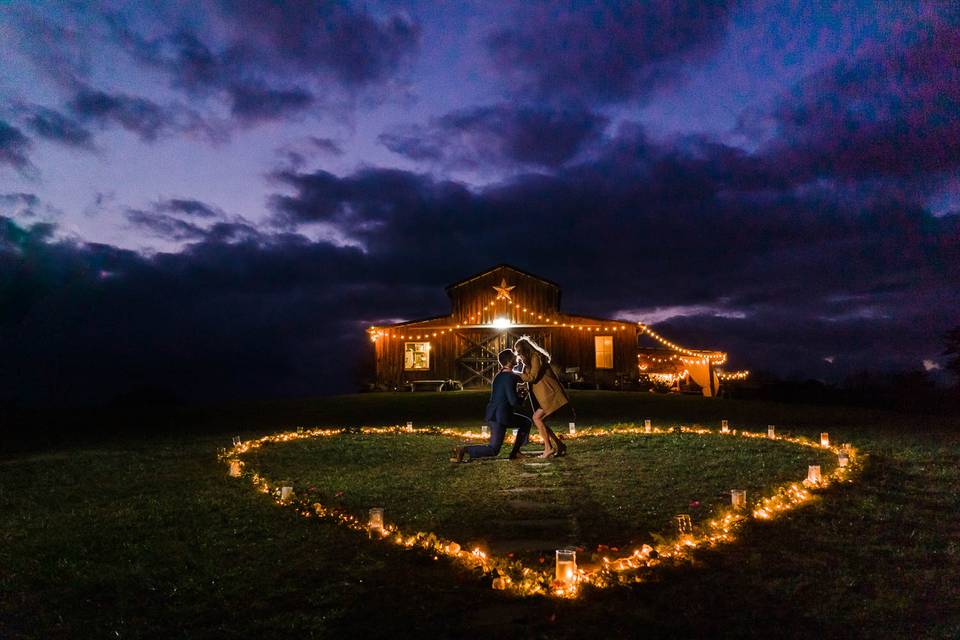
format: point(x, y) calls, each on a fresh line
point(512, 575)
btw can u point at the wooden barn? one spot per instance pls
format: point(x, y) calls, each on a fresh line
point(492, 309)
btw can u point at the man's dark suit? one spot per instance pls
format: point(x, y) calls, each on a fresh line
point(501, 415)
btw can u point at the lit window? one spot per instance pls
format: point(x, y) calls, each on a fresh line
point(604, 347)
point(416, 356)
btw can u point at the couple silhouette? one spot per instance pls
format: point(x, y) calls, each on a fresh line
point(536, 380)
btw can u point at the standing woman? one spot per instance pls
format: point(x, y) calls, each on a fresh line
point(546, 393)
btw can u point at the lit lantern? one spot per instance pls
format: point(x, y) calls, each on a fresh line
point(234, 468)
point(824, 439)
point(376, 520)
point(647, 426)
point(771, 432)
point(843, 458)
point(453, 548)
point(516, 432)
point(684, 525)
point(813, 474)
point(300, 430)
point(573, 428)
point(738, 498)
point(409, 424)
point(566, 566)
point(724, 426)
point(485, 431)
point(285, 493)
point(236, 441)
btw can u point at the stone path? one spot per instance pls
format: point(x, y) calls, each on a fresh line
point(538, 517)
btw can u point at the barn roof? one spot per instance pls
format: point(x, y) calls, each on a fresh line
point(502, 265)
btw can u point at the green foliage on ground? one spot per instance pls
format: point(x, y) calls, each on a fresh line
point(148, 537)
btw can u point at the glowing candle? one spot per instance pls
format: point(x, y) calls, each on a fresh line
point(485, 431)
point(234, 468)
point(376, 520)
point(573, 428)
point(647, 426)
point(824, 439)
point(724, 426)
point(738, 498)
point(771, 432)
point(566, 566)
point(813, 474)
point(843, 458)
point(285, 493)
point(236, 441)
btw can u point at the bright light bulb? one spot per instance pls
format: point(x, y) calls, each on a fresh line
point(501, 323)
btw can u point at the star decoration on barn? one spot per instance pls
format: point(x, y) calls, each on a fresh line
point(503, 291)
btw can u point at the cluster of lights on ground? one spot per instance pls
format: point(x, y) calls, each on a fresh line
point(567, 579)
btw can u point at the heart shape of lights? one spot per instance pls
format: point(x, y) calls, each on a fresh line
point(512, 575)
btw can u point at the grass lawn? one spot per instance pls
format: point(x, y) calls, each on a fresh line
point(148, 537)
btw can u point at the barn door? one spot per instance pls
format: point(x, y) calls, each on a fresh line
point(477, 361)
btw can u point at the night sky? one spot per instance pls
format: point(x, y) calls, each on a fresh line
point(217, 198)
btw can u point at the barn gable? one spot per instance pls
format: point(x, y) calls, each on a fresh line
point(472, 297)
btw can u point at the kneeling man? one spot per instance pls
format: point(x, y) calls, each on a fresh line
point(501, 414)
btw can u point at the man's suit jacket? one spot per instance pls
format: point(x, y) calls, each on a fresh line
point(503, 398)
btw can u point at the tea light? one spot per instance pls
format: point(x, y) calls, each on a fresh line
point(285, 493)
point(566, 566)
point(843, 458)
point(485, 431)
point(376, 520)
point(724, 426)
point(738, 498)
point(813, 474)
point(684, 524)
point(573, 428)
point(647, 426)
point(771, 432)
point(236, 441)
point(824, 439)
point(234, 468)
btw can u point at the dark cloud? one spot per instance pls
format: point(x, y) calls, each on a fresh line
point(21, 205)
point(14, 147)
point(250, 103)
point(53, 125)
point(299, 153)
point(145, 118)
point(894, 111)
point(269, 51)
point(189, 207)
point(501, 134)
point(604, 51)
point(164, 226)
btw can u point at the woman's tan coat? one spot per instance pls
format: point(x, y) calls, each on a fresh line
point(544, 383)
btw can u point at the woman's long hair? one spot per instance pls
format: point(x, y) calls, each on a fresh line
point(525, 349)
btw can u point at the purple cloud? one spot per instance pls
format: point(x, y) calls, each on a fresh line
point(606, 51)
point(14, 147)
point(894, 111)
point(500, 134)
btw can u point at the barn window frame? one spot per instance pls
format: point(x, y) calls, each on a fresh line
point(410, 363)
point(603, 352)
